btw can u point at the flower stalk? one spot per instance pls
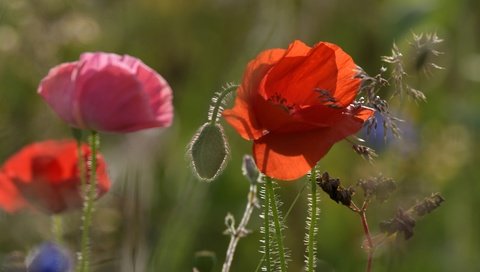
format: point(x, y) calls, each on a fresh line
point(312, 223)
point(369, 240)
point(368, 237)
point(57, 228)
point(266, 225)
point(241, 230)
point(88, 208)
point(277, 224)
point(218, 102)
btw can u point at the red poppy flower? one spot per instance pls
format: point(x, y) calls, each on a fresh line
point(108, 92)
point(45, 175)
point(295, 104)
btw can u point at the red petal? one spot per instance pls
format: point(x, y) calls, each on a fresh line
point(242, 119)
point(288, 156)
point(347, 83)
point(242, 116)
point(10, 198)
point(46, 175)
point(296, 77)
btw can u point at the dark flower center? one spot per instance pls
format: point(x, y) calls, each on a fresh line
point(279, 100)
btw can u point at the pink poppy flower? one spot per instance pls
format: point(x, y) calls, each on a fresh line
point(107, 92)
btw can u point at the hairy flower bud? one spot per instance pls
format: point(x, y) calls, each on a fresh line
point(208, 151)
point(249, 169)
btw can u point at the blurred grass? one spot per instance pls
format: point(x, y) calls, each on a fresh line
point(158, 215)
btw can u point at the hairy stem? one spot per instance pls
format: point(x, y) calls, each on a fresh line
point(240, 231)
point(276, 221)
point(297, 197)
point(219, 101)
point(266, 225)
point(88, 208)
point(313, 223)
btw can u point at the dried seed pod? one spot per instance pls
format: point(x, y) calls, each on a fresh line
point(402, 222)
point(379, 187)
point(333, 188)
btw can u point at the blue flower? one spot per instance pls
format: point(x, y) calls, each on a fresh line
point(49, 257)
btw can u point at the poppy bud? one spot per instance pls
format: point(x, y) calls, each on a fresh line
point(249, 169)
point(208, 151)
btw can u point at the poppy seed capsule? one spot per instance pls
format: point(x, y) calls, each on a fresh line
point(208, 151)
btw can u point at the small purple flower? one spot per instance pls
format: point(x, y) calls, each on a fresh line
point(49, 257)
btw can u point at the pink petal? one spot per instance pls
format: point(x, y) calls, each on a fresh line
point(113, 100)
point(57, 88)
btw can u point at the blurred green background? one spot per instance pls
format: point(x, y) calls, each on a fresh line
point(158, 216)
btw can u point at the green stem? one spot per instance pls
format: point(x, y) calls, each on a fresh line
point(241, 230)
point(297, 197)
point(313, 223)
point(266, 225)
point(81, 168)
point(57, 228)
point(89, 201)
point(276, 221)
point(218, 103)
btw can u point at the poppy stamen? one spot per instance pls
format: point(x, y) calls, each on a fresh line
point(327, 98)
point(279, 100)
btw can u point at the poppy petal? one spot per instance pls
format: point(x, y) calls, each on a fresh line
point(326, 67)
point(57, 88)
point(347, 82)
point(288, 156)
point(159, 92)
point(296, 77)
point(241, 116)
point(46, 176)
point(10, 198)
point(131, 110)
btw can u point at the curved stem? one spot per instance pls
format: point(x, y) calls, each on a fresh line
point(313, 223)
point(88, 208)
point(276, 221)
point(218, 103)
